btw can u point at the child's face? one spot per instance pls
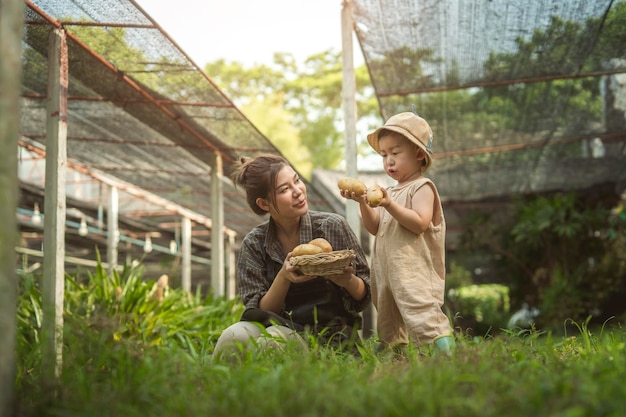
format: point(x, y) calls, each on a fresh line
point(402, 159)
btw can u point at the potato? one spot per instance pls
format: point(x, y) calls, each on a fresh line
point(322, 243)
point(344, 183)
point(374, 195)
point(358, 187)
point(352, 184)
point(306, 249)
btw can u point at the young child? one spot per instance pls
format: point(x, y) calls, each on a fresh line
point(408, 262)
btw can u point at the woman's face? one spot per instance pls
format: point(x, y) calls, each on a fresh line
point(290, 193)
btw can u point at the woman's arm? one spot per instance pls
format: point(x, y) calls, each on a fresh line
point(355, 279)
point(274, 298)
point(354, 285)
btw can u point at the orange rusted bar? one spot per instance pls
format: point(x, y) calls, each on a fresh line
point(133, 84)
point(516, 146)
point(502, 83)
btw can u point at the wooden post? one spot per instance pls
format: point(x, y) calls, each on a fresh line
point(217, 228)
point(231, 265)
point(54, 203)
point(348, 93)
point(350, 117)
point(186, 249)
point(11, 24)
point(113, 233)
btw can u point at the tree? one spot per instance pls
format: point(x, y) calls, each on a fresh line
point(275, 122)
point(309, 93)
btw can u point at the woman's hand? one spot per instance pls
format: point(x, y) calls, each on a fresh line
point(350, 282)
point(293, 273)
point(343, 279)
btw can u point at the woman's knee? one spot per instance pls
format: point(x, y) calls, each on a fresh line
point(278, 336)
point(234, 337)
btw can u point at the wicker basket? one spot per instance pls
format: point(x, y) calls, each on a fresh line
point(327, 263)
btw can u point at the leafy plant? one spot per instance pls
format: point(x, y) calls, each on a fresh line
point(574, 375)
point(488, 305)
point(560, 253)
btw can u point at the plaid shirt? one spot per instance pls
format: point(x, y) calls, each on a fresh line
point(261, 257)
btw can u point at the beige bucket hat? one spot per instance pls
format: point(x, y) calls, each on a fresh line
point(411, 126)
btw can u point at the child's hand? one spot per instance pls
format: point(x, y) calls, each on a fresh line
point(362, 198)
point(384, 202)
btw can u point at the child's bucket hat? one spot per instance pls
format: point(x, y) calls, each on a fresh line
point(411, 126)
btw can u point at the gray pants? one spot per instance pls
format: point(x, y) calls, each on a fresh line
point(240, 335)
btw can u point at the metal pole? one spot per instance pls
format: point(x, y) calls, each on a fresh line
point(348, 94)
point(217, 229)
point(186, 243)
point(113, 235)
point(55, 207)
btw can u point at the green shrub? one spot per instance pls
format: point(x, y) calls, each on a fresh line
point(487, 305)
point(562, 253)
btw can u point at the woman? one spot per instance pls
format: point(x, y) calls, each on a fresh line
point(275, 293)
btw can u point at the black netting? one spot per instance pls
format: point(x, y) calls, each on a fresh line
point(522, 96)
point(138, 108)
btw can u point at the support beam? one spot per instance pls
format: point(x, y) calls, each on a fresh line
point(113, 233)
point(217, 231)
point(54, 203)
point(186, 249)
point(348, 94)
point(231, 267)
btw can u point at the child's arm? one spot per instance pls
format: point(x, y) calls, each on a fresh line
point(418, 217)
point(368, 214)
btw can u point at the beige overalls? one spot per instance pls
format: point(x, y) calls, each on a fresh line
point(408, 274)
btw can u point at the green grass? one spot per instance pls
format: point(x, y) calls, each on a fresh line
point(127, 354)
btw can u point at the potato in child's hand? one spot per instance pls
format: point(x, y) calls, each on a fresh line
point(374, 195)
point(353, 185)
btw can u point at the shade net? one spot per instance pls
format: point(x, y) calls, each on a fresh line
point(522, 97)
point(139, 109)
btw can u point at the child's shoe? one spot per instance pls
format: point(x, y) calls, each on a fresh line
point(444, 345)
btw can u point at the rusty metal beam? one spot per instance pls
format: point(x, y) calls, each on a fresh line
point(517, 146)
point(501, 83)
point(130, 82)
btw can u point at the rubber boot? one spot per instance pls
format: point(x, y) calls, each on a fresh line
point(444, 345)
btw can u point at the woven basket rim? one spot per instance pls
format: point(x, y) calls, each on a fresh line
point(322, 258)
point(327, 263)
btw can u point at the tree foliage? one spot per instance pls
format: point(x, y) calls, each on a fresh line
point(562, 253)
point(310, 96)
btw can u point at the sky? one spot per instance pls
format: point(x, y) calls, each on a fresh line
point(249, 31)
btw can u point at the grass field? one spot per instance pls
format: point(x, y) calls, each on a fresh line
point(131, 350)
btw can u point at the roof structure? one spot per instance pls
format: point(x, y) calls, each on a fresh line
point(523, 97)
point(141, 112)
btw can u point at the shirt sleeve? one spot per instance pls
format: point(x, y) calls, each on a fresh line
point(362, 271)
point(337, 231)
point(251, 272)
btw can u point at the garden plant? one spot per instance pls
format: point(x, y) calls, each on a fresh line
point(134, 347)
